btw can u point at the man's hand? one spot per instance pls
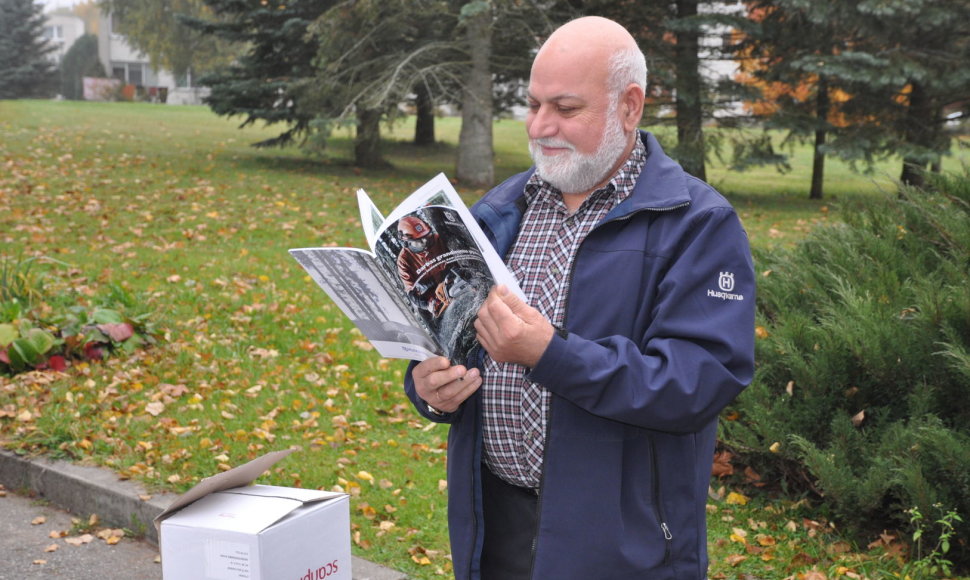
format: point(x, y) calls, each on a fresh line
point(443, 386)
point(511, 330)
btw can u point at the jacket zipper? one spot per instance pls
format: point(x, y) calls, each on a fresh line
point(658, 504)
point(542, 477)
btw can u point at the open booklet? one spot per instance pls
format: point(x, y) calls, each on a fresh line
point(416, 293)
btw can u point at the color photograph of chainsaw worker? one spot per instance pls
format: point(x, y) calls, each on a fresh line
point(444, 281)
point(423, 275)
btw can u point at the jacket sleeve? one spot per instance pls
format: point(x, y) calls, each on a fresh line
point(695, 351)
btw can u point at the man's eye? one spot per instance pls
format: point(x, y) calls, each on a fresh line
point(566, 110)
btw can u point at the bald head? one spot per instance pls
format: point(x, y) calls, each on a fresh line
point(597, 44)
point(589, 34)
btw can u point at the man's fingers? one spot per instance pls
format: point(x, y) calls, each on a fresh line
point(429, 366)
point(450, 395)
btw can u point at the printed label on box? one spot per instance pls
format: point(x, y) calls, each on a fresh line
point(226, 560)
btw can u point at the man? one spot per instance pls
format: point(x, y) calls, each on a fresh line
point(582, 437)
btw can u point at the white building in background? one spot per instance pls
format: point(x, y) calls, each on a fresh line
point(133, 68)
point(130, 67)
point(60, 31)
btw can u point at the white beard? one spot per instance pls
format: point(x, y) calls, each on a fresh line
point(574, 172)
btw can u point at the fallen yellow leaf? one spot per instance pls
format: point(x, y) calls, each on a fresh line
point(765, 540)
point(734, 559)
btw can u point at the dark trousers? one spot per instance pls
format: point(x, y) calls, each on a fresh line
point(511, 518)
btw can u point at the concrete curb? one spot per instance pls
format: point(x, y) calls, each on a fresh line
point(85, 490)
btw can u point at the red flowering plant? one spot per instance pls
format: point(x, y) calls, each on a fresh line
point(67, 333)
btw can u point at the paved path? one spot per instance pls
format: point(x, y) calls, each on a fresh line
point(40, 488)
point(26, 526)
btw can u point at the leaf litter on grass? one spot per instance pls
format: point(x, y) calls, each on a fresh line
point(253, 358)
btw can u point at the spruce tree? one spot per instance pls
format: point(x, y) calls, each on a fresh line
point(25, 70)
point(894, 66)
point(265, 82)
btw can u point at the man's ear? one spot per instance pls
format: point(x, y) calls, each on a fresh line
point(631, 103)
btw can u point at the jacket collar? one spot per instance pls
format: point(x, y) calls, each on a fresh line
point(662, 185)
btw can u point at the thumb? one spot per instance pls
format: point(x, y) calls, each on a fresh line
point(514, 303)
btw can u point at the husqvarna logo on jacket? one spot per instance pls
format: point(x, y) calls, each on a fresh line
point(725, 283)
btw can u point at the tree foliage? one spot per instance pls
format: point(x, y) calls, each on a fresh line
point(436, 51)
point(876, 76)
point(25, 69)
point(401, 47)
point(155, 28)
point(267, 81)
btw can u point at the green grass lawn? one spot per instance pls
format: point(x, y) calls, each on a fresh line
point(172, 207)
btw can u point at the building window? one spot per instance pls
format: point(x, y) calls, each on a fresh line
point(54, 32)
point(135, 76)
point(114, 25)
point(184, 80)
point(130, 73)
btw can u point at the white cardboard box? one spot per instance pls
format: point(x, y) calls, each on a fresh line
point(226, 529)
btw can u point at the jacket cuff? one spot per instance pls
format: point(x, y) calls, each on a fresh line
point(551, 357)
point(434, 414)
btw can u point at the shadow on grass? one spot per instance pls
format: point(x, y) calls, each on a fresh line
point(403, 160)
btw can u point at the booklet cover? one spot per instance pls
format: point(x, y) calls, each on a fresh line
point(415, 293)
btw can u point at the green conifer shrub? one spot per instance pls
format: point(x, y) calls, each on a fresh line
point(862, 391)
point(81, 60)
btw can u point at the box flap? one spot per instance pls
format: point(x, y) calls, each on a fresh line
point(249, 509)
point(292, 493)
point(231, 512)
point(235, 477)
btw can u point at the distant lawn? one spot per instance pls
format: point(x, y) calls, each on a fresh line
point(173, 207)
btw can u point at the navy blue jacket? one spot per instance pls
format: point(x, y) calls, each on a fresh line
point(660, 317)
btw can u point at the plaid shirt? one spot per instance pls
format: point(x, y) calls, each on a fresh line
point(515, 409)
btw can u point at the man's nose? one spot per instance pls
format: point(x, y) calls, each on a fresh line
point(541, 123)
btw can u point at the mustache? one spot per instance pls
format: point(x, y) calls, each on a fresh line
point(553, 142)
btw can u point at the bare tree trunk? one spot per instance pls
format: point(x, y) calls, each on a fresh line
point(367, 145)
point(690, 114)
point(821, 117)
point(474, 166)
point(424, 116)
point(919, 130)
